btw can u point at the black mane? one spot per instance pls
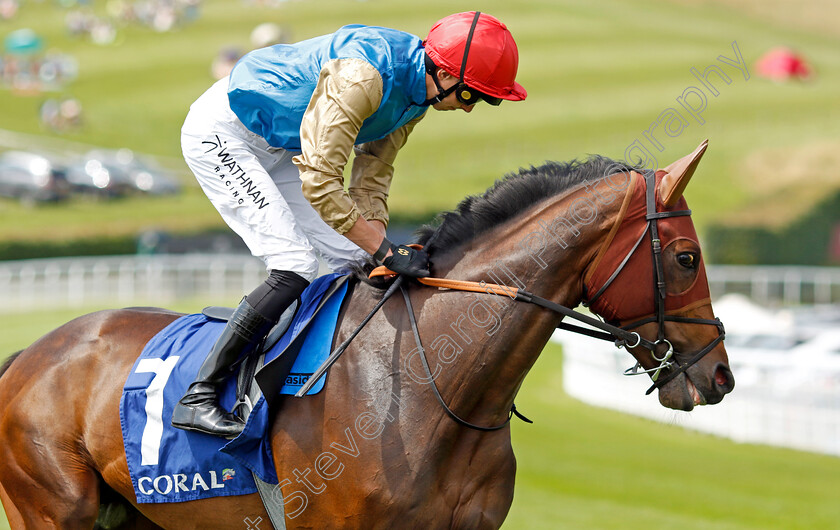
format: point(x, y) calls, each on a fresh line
point(511, 195)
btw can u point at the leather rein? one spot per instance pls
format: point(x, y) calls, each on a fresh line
point(621, 336)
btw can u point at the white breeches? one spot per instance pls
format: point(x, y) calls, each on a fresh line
point(256, 189)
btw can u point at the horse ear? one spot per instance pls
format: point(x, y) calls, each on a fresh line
point(678, 174)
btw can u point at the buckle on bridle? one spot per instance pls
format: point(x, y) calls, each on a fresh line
point(664, 362)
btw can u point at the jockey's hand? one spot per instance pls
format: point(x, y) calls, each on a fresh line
point(409, 261)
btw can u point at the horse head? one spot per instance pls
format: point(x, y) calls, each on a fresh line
point(649, 277)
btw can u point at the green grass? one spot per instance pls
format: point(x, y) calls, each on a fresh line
point(584, 467)
point(598, 74)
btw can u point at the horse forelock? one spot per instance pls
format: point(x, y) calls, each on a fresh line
point(510, 196)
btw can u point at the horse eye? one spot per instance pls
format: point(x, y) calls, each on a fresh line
point(687, 260)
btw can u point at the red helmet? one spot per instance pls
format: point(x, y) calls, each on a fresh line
point(479, 49)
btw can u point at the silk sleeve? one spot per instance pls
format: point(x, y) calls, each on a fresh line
point(373, 170)
point(347, 93)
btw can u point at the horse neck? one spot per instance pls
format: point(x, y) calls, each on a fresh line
point(545, 250)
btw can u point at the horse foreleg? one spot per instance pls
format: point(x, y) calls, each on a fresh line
point(71, 502)
point(12, 513)
point(48, 485)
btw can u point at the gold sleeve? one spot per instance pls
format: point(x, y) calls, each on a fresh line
point(373, 170)
point(347, 93)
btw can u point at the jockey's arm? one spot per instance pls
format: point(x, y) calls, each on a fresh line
point(370, 180)
point(347, 93)
point(373, 171)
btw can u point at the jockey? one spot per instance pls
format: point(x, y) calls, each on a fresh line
point(269, 143)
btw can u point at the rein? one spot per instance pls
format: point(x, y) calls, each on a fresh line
point(398, 284)
point(621, 336)
point(458, 419)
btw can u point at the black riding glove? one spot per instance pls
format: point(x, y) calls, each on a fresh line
point(408, 261)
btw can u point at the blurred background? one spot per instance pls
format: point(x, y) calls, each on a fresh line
point(98, 210)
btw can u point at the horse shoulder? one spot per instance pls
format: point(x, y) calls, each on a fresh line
point(104, 347)
point(59, 411)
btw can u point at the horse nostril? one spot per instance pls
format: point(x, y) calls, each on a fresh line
point(724, 379)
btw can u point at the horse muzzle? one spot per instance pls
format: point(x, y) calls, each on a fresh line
point(697, 386)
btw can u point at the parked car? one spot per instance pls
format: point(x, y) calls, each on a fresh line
point(32, 177)
point(143, 175)
point(90, 175)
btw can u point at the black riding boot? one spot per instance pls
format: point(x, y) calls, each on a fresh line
point(199, 409)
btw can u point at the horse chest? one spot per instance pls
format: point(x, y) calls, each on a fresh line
point(471, 488)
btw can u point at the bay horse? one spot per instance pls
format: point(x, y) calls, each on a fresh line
point(375, 449)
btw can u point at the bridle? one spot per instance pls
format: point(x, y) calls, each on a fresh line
point(621, 336)
point(668, 359)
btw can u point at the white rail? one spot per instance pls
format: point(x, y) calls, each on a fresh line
point(777, 284)
point(790, 406)
point(126, 280)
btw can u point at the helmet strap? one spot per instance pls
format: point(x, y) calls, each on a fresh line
point(432, 68)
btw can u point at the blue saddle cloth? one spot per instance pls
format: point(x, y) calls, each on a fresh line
point(172, 465)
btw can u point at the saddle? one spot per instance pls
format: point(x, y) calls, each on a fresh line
point(161, 470)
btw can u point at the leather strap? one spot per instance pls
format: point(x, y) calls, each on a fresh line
point(269, 494)
point(626, 338)
point(431, 378)
point(340, 349)
point(455, 285)
point(622, 336)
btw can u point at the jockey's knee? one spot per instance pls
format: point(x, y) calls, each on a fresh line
point(304, 264)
